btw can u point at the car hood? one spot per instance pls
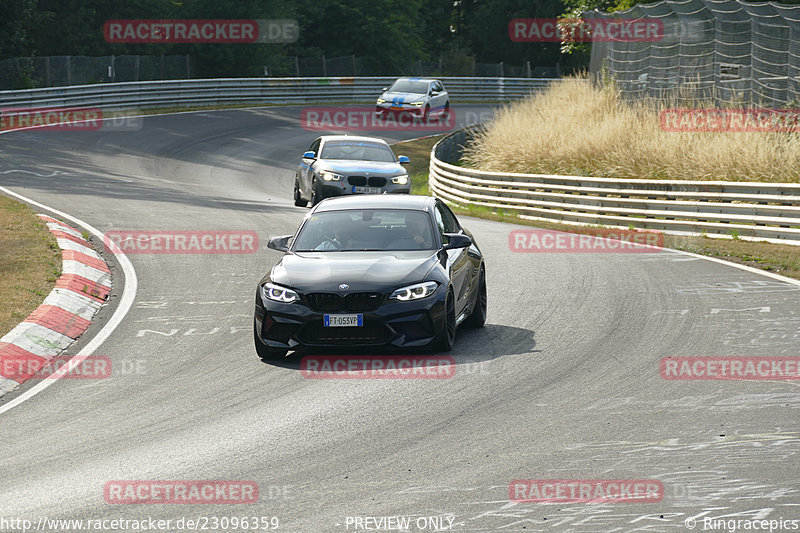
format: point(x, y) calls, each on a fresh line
point(362, 271)
point(403, 98)
point(375, 168)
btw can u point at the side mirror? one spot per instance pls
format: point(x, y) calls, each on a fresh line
point(385, 89)
point(309, 155)
point(456, 240)
point(403, 159)
point(280, 243)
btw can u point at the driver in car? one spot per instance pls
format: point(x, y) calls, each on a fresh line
point(337, 238)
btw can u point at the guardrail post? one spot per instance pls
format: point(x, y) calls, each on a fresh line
point(69, 70)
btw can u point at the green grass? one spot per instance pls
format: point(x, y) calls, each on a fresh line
point(30, 262)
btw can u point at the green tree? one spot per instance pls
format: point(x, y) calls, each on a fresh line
point(389, 33)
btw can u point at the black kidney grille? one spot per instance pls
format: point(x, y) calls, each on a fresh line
point(363, 301)
point(358, 181)
point(355, 302)
point(376, 181)
point(322, 301)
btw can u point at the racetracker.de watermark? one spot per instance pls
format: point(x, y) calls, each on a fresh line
point(730, 368)
point(59, 367)
point(730, 120)
point(377, 367)
point(180, 491)
point(585, 30)
point(327, 118)
point(201, 31)
point(599, 240)
point(65, 119)
point(586, 490)
point(181, 242)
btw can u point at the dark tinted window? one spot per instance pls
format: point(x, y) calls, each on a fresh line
point(408, 86)
point(366, 229)
point(446, 219)
point(358, 150)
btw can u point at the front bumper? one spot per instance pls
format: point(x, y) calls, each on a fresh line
point(388, 108)
point(344, 188)
point(399, 324)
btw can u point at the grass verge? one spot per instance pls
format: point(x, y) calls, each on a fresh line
point(30, 262)
point(780, 259)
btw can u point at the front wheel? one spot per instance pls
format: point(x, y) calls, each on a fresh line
point(477, 318)
point(445, 113)
point(448, 335)
point(298, 200)
point(315, 199)
point(267, 353)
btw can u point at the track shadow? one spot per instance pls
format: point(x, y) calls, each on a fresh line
point(472, 346)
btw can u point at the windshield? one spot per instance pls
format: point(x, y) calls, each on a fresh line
point(358, 150)
point(366, 230)
point(408, 86)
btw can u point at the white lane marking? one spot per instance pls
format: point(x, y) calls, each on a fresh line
point(743, 267)
point(51, 175)
point(125, 304)
point(765, 309)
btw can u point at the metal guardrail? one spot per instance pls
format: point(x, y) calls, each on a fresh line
point(257, 90)
point(761, 211)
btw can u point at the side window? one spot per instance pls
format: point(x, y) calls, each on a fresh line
point(439, 221)
point(315, 147)
point(437, 86)
point(446, 220)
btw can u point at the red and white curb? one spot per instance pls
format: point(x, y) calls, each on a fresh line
point(64, 315)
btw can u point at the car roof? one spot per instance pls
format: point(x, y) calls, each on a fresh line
point(417, 79)
point(326, 138)
point(377, 201)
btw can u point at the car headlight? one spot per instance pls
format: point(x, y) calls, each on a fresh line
point(276, 293)
point(330, 176)
point(417, 103)
point(415, 292)
point(402, 179)
point(381, 101)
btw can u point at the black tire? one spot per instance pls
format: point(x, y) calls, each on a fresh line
point(477, 318)
point(315, 199)
point(298, 200)
point(448, 336)
point(446, 113)
point(426, 114)
point(267, 353)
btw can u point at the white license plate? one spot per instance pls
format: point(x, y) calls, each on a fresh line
point(367, 190)
point(343, 321)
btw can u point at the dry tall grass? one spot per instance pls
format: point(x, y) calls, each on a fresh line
point(576, 128)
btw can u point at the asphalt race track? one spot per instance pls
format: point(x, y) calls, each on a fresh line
point(562, 383)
